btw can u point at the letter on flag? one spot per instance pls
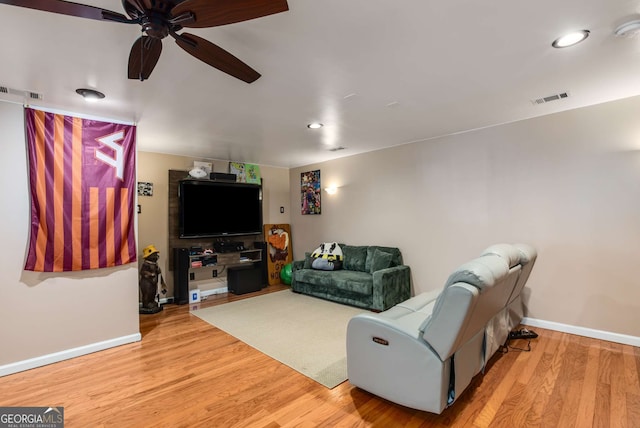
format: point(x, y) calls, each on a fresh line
point(82, 180)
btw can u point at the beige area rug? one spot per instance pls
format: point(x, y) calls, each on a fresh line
point(306, 333)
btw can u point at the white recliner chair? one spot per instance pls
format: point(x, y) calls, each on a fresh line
point(423, 352)
point(520, 257)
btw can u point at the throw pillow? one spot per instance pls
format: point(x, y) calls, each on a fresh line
point(324, 264)
point(307, 261)
point(354, 257)
point(380, 260)
point(328, 256)
point(328, 250)
point(395, 257)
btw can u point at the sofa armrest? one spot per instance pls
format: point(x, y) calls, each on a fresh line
point(391, 286)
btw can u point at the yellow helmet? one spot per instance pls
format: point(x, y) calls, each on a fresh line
point(148, 250)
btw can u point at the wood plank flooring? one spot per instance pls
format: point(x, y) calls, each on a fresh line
point(186, 373)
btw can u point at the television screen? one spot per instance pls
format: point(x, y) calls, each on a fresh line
point(215, 209)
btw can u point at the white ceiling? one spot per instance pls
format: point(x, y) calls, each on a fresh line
point(377, 73)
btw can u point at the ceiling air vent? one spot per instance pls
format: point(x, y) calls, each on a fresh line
point(10, 91)
point(549, 98)
point(34, 95)
point(20, 93)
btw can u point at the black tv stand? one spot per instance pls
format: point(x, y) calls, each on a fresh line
point(219, 265)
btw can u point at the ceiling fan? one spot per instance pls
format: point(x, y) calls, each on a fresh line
point(162, 18)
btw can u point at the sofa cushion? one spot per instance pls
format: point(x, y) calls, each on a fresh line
point(345, 280)
point(355, 258)
point(314, 277)
point(354, 282)
point(380, 260)
point(396, 256)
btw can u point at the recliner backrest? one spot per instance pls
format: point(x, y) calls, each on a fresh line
point(513, 257)
point(528, 256)
point(473, 294)
point(522, 255)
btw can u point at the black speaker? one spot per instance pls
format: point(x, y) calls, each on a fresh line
point(181, 264)
point(263, 264)
point(222, 176)
point(243, 279)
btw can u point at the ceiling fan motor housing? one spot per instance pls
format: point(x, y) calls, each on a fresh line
point(155, 25)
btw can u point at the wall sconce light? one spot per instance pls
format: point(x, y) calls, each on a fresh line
point(332, 190)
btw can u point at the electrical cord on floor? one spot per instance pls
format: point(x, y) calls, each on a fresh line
point(518, 334)
point(506, 347)
point(515, 348)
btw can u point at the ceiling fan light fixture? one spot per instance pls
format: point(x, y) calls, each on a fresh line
point(315, 125)
point(570, 39)
point(90, 95)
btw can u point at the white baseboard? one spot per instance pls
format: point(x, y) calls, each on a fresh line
point(583, 331)
point(44, 360)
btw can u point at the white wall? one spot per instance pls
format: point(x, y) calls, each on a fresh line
point(568, 184)
point(46, 314)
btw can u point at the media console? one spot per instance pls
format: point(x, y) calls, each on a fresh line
point(242, 270)
point(201, 216)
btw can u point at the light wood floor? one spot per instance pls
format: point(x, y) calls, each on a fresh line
point(186, 373)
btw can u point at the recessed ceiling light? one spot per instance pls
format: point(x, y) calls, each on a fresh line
point(570, 39)
point(315, 125)
point(90, 94)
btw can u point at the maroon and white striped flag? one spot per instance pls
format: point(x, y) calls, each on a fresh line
point(82, 180)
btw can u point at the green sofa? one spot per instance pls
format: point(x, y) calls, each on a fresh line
point(372, 277)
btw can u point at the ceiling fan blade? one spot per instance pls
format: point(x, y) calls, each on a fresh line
point(68, 8)
point(216, 57)
point(212, 13)
point(138, 5)
point(143, 57)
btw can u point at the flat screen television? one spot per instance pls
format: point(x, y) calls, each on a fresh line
point(210, 209)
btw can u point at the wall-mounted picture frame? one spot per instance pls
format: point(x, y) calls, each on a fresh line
point(145, 188)
point(246, 172)
point(237, 168)
point(252, 173)
point(310, 192)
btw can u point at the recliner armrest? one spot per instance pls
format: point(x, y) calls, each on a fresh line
point(389, 359)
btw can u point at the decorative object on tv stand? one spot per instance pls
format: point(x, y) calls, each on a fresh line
point(310, 192)
point(246, 172)
point(207, 166)
point(198, 172)
point(278, 239)
point(148, 281)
